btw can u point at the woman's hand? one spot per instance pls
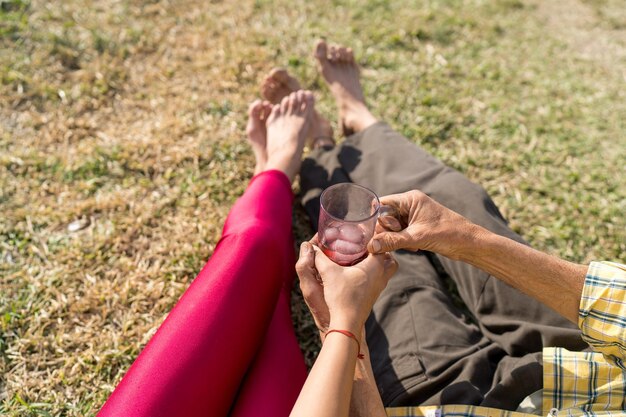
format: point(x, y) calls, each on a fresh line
point(311, 285)
point(341, 297)
point(365, 399)
point(422, 223)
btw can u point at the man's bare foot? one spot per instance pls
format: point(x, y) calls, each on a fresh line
point(287, 126)
point(277, 85)
point(341, 72)
point(258, 112)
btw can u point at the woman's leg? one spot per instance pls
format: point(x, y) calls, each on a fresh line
point(196, 362)
point(277, 374)
point(274, 380)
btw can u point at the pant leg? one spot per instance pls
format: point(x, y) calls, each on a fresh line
point(383, 160)
point(420, 343)
point(196, 362)
point(423, 350)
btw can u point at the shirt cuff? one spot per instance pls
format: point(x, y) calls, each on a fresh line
point(602, 313)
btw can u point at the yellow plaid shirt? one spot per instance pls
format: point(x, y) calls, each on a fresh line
point(574, 383)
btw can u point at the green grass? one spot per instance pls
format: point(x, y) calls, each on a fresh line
point(130, 116)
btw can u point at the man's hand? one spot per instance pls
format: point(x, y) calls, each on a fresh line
point(423, 224)
point(430, 226)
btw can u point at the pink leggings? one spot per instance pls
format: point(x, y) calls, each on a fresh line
point(228, 346)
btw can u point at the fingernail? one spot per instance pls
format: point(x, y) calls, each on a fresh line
point(304, 249)
point(376, 245)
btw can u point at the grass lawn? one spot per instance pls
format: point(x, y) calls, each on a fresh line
point(122, 148)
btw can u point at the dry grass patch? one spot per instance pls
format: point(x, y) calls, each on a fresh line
point(121, 152)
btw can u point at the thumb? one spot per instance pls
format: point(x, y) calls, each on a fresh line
point(305, 266)
point(390, 241)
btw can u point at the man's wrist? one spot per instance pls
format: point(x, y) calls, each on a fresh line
point(468, 243)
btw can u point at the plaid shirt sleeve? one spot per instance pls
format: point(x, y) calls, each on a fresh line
point(602, 315)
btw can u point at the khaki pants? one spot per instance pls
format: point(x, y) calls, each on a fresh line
point(424, 349)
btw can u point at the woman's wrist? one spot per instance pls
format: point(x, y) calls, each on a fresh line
point(345, 323)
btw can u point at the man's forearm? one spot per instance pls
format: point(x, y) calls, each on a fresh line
point(555, 282)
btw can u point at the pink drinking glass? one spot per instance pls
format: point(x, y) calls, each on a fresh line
point(348, 214)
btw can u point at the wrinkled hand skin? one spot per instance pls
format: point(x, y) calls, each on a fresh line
point(423, 224)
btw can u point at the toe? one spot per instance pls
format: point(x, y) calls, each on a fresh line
point(254, 109)
point(300, 102)
point(350, 55)
point(294, 102)
point(307, 100)
point(284, 104)
point(321, 50)
point(343, 53)
point(274, 113)
point(333, 54)
point(266, 91)
point(309, 97)
point(279, 74)
point(266, 109)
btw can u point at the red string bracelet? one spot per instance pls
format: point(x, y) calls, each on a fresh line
point(351, 336)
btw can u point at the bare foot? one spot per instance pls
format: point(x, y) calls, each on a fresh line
point(277, 85)
point(287, 125)
point(258, 112)
point(341, 72)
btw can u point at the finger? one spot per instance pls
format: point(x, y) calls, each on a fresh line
point(397, 206)
point(390, 223)
point(373, 263)
point(323, 264)
point(315, 240)
point(305, 268)
point(393, 200)
point(390, 266)
point(390, 241)
point(311, 288)
point(306, 260)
